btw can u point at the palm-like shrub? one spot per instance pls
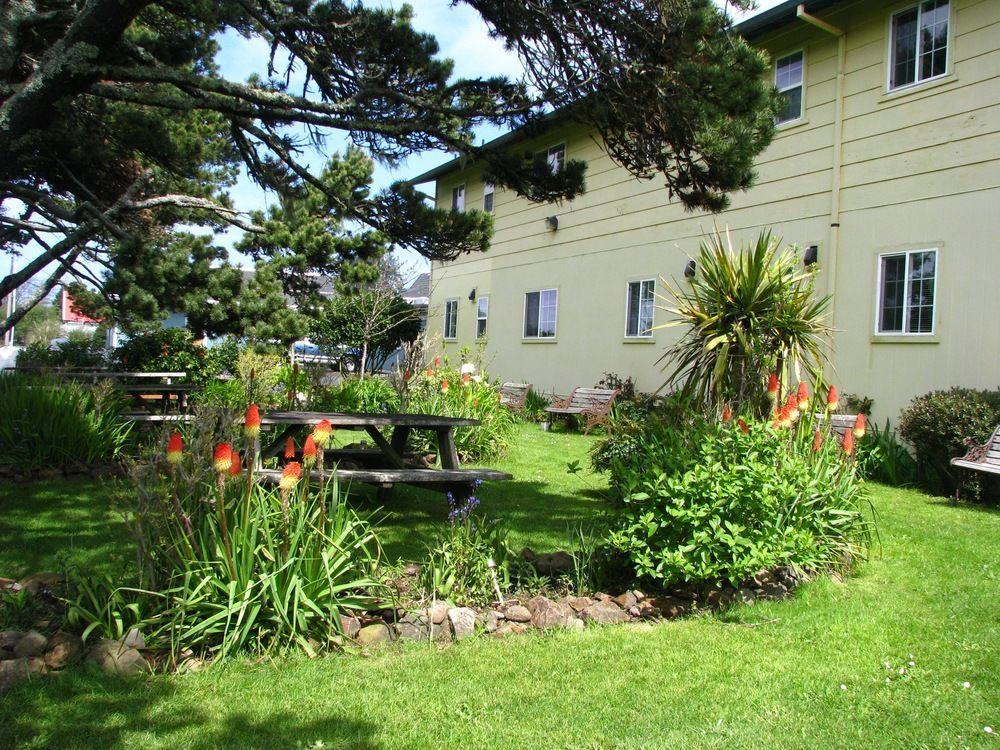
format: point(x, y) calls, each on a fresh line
point(748, 312)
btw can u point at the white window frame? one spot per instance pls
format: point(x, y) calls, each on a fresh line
point(555, 319)
point(458, 198)
point(482, 316)
point(628, 301)
point(451, 304)
point(489, 191)
point(890, 66)
point(801, 85)
point(906, 292)
point(560, 165)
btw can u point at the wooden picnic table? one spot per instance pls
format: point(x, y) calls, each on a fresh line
point(388, 463)
point(143, 392)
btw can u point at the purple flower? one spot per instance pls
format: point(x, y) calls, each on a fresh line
point(459, 511)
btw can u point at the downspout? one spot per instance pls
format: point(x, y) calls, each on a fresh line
point(838, 148)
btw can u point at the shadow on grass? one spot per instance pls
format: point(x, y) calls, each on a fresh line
point(84, 709)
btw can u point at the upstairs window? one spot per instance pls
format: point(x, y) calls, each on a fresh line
point(639, 309)
point(451, 319)
point(788, 75)
point(540, 314)
point(557, 157)
point(458, 198)
point(488, 197)
point(919, 43)
point(482, 314)
point(906, 289)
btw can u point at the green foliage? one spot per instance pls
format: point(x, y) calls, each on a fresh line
point(535, 404)
point(165, 350)
point(629, 424)
point(748, 312)
point(20, 610)
point(52, 423)
point(373, 395)
point(937, 426)
point(261, 374)
point(80, 350)
point(40, 325)
point(469, 561)
point(883, 458)
point(446, 391)
point(707, 501)
point(221, 394)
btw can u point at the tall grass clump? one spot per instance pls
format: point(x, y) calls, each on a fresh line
point(47, 422)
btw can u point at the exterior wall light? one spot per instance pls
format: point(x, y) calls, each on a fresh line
point(690, 269)
point(472, 295)
point(552, 222)
point(811, 255)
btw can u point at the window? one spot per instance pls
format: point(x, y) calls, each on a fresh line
point(482, 313)
point(557, 157)
point(639, 309)
point(788, 81)
point(458, 198)
point(488, 197)
point(450, 318)
point(918, 43)
point(906, 292)
point(540, 314)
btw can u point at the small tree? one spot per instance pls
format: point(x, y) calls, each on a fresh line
point(749, 312)
point(39, 325)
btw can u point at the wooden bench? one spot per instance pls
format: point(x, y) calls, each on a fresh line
point(460, 483)
point(839, 423)
point(144, 417)
point(513, 395)
point(593, 404)
point(984, 458)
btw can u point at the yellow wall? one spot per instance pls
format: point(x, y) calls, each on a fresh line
point(920, 169)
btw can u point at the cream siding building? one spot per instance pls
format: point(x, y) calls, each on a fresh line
point(889, 170)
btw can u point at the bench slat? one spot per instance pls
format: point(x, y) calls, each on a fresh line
point(408, 476)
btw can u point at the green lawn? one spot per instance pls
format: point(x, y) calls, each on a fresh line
point(766, 676)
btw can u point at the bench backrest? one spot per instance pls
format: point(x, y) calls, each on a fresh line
point(991, 455)
point(839, 423)
point(514, 394)
point(597, 400)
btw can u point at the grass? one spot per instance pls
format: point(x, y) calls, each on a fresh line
point(766, 676)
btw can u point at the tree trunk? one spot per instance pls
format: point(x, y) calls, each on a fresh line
point(364, 360)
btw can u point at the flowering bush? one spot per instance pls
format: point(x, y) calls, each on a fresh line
point(465, 392)
point(714, 499)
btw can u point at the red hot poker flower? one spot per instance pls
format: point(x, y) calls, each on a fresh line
point(444, 386)
point(236, 464)
point(406, 376)
point(772, 387)
point(848, 443)
point(743, 426)
point(223, 457)
point(437, 361)
point(429, 372)
point(792, 406)
point(466, 379)
point(309, 450)
point(860, 426)
point(803, 396)
point(290, 448)
point(290, 475)
point(727, 414)
point(832, 398)
point(175, 448)
point(251, 423)
point(817, 441)
point(322, 432)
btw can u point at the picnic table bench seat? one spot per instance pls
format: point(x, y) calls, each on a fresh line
point(145, 417)
point(514, 395)
point(984, 458)
point(460, 482)
point(593, 404)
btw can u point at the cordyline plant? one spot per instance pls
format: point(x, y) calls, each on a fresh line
point(232, 564)
point(749, 312)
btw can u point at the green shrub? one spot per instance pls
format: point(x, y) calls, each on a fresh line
point(80, 350)
point(373, 395)
point(883, 458)
point(937, 425)
point(222, 394)
point(535, 404)
point(53, 423)
point(165, 350)
point(706, 501)
point(469, 561)
point(260, 374)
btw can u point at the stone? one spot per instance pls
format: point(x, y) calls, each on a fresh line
point(9, 584)
point(579, 603)
point(670, 606)
point(411, 631)
point(114, 658)
point(604, 613)
point(546, 613)
point(438, 613)
point(493, 619)
point(38, 581)
point(374, 634)
point(13, 671)
point(30, 644)
point(645, 610)
point(9, 639)
point(47, 474)
point(510, 628)
point(575, 623)
point(412, 570)
point(528, 554)
point(626, 600)
point(64, 648)
point(463, 622)
point(774, 590)
point(748, 596)
point(350, 626)
point(554, 564)
point(518, 613)
point(134, 639)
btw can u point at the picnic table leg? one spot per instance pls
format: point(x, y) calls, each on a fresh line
point(384, 493)
point(275, 448)
point(390, 452)
point(447, 451)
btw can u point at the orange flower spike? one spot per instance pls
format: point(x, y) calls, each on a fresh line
point(322, 433)
point(444, 386)
point(817, 441)
point(785, 417)
point(848, 443)
point(236, 466)
point(429, 372)
point(727, 414)
point(744, 427)
point(792, 406)
point(290, 475)
point(290, 448)
point(832, 398)
point(223, 457)
point(251, 422)
point(772, 387)
point(802, 396)
point(860, 426)
point(466, 379)
point(437, 361)
point(175, 448)
point(309, 451)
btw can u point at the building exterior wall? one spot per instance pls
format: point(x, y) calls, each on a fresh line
point(919, 169)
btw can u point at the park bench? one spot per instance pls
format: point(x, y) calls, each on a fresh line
point(514, 395)
point(592, 404)
point(839, 423)
point(983, 458)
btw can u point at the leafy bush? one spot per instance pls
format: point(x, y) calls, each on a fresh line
point(706, 501)
point(450, 392)
point(53, 423)
point(629, 423)
point(882, 458)
point(231, 565)
point(221, 394)
point(165, 350)
point(372, 395)
point(937, 425)
point(261, 376)
point(80, 350)
point(469, 561)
